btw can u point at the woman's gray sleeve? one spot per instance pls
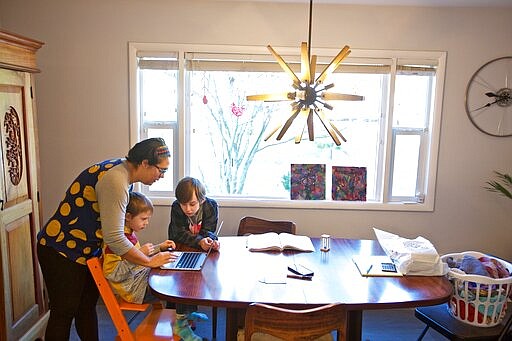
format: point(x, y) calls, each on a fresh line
point(112, 194)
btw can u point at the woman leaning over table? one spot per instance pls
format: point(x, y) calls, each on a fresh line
point(76, 233)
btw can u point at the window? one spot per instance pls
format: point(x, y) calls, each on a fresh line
point(195, 98)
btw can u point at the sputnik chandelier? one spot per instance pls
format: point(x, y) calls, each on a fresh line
point(310, 95)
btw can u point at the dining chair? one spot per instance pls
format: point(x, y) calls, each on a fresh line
point(317, 323)
point(157, 325)
point(439, 318)
point(253, 225)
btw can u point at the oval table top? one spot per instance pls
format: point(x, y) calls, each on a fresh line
point(235, 277)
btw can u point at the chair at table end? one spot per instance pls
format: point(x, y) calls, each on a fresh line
point(289, 324)
point(254, 225)
point(157, 325)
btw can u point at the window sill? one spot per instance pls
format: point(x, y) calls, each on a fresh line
point(311, 204)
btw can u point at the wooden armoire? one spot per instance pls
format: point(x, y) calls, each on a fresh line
point(23, 305)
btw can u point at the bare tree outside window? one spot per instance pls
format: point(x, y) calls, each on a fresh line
point(228, 129)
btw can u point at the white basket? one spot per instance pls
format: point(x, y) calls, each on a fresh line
point(478, 300)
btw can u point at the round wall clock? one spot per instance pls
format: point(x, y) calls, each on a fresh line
point(489, 97)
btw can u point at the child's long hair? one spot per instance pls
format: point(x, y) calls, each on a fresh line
point(187, 187)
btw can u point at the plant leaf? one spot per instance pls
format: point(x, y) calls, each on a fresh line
point(500, 185)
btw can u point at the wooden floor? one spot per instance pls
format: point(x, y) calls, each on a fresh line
point(380, 325)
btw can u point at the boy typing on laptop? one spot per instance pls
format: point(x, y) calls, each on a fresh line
point(193, 222)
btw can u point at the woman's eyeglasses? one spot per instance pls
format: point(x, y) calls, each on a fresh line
point(161, 170)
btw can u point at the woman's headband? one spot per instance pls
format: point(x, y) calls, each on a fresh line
point(163, 151)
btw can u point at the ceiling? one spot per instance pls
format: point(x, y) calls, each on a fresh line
point(428, 3)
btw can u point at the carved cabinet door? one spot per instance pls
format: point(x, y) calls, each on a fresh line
point(19, 211)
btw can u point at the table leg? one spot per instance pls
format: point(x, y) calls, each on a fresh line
point(231, 324)
point(354, 325)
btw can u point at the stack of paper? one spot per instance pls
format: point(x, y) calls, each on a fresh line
point(412, 256)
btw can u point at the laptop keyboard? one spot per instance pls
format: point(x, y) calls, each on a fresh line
point(188, 260)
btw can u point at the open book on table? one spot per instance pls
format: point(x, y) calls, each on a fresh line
point(272, 241)
point(372, 266)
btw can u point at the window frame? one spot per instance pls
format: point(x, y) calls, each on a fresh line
point(428, 153)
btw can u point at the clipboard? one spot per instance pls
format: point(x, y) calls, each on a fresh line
point(371, 266)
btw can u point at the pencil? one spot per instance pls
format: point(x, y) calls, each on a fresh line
point(369, 269)
point(307, 278)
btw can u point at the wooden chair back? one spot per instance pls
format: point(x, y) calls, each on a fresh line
point(253, 225)
point(291, 325)
point(157, 325)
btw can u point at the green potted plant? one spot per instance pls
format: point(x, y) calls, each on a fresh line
point(502, 185)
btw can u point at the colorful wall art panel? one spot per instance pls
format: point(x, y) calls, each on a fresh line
point(307, 182)
point(349, 183)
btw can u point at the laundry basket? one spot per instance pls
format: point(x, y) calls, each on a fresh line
point(478, 300)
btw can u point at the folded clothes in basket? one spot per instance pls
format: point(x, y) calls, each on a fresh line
point(469, 264)
point(480, 291)
point(416, 257)
point(483, 266)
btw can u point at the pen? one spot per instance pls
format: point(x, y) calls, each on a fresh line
point(368, 271)
point(308, 278)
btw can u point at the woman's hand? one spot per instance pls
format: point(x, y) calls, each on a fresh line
point(153, 260)
point(161, 258)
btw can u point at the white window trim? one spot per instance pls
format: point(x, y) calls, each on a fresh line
point(426, 205)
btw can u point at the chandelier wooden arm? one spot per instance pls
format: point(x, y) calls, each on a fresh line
point(284, 66)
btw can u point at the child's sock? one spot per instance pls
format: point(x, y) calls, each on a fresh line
point(196, 316)
point(183, 330)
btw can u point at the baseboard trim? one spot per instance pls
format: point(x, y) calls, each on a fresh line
point(37, 330)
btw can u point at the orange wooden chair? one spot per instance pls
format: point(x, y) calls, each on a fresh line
point(288, 324)
point(157, 325)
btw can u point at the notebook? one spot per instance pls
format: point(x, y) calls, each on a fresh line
point(190, 260)
point(376, 266)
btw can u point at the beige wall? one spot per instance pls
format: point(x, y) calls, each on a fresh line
point(83, 102)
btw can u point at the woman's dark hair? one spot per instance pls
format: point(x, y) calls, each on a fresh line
point(153, 150)
point(187, 187)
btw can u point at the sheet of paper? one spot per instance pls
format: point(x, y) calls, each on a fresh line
point(274, 276)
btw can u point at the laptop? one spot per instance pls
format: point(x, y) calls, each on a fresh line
point(190, 260)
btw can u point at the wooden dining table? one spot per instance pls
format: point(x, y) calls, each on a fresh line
point(235, 277)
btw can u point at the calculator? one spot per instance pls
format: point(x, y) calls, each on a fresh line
point(388, 267)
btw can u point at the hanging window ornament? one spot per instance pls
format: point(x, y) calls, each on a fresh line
point(237, 110)
point(205, 99)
